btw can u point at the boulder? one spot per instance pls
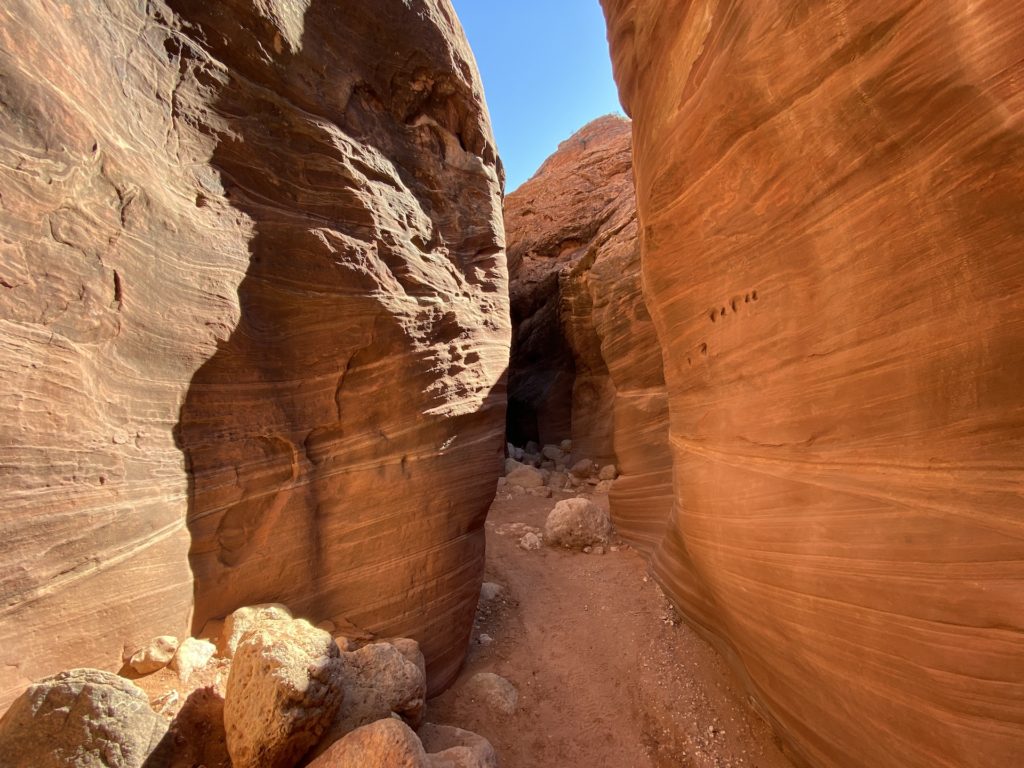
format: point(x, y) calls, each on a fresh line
point(552, 452)
point(531, 542)
point(577, 523)
point(244, 620)
point(511, 465)
point(608, 472)
point(525, 477)
point(490, 591)
point(379, 680)
point(450, 747)
point(283, 692)
point(156, 654)
point(193, 654)
point(387, 743)
point(582, 468)
point(82, 718)
point(566, 446)
point(494, 691)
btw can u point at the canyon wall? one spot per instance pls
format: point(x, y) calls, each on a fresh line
point(831, 204)
point(586, 361)
point(253, 306)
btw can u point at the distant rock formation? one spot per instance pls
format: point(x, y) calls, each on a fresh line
point(585, 357)
point(831, 203)
point(254, 319)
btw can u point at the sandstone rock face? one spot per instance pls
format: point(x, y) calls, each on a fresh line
point(283, 692)
point(831, 200)
point(82, 718)
point(585, 346)
point(252, 277)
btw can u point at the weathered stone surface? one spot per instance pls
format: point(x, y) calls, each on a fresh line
point(576, 523)
point(831, 200)
point(154, 655)
point(525, 477)
point(551, 222)
point(388, 742)
point(192, 655)
point(82, 718)
point(378, 680)
point(245, 619)
point(284, 691)
point(252, 235)
point(450, 747)
point(493, 691)
point(583, 197)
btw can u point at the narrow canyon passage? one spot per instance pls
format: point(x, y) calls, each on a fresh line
point(607, 674)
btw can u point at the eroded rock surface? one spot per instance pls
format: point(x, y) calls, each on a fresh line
point(252, 279)
point(81, 718)
point(586, 359)
point(831, 201)
point(285, 687)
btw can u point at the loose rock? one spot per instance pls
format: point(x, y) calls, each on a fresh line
point(608, 472)
point(387, 743)
point(530, 542)
point(82, 718)
point(577, 523)
point(193, 654)
point(156, 654)
point(489, 591)
point(582, 468)
point(245, 619)
point(450, 747)
point(283, 692)
point(494, 691)
point(525, 477)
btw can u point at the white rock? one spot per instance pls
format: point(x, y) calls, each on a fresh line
point(246, 619)
point(156, 654)
point(485, 639)
point(577, 523)
point(608, 472)
point(489, 591)
point(531, 542)
point(193, 654)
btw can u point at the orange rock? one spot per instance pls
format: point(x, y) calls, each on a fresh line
point(831, 202)
point(253, 281)
point(579, 306)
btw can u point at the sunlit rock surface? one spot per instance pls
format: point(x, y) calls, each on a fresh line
point(584, 340)
point(253, 312)
point(831, 202)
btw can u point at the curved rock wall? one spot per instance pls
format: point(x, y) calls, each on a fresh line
point(575, 261)
point(253, 301)
point(831, 201)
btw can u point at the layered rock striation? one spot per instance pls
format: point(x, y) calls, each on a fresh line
point(586, 360)
point(253, 306)
point(830, 199)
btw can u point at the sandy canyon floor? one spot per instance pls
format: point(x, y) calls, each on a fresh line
point(608, 676)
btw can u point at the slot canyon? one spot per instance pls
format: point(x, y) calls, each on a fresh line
point(322, 447)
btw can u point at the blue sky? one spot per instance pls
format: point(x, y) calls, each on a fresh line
point(546, 73)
